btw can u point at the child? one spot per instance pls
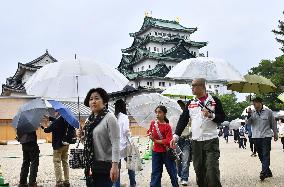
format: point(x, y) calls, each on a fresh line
point(159, 155)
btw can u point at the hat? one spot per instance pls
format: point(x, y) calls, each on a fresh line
point(257, 99)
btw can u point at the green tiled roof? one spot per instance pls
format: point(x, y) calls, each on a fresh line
point(160, 70)
point(163, 24)
point(141, 41)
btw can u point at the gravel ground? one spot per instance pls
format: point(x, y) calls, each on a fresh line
point(237, 168)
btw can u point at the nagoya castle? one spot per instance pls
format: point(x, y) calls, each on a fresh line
point(157, 47)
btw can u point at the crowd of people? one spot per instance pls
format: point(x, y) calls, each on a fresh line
point(105, 136)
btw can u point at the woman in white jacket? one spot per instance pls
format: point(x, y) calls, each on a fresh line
point(123, 122)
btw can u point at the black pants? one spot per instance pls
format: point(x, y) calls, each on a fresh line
point(30, 162)
point(252, 145)
point(282, 141)
point(263, 147)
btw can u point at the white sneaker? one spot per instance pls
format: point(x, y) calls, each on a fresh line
point(184, 183)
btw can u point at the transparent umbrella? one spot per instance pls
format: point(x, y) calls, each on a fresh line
point(71, 80)
point(142, 108)
point(204, 67)
point(179, 90)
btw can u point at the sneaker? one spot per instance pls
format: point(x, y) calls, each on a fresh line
point(184, 183)
point(262, 176)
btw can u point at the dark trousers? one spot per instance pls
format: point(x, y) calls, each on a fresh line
point(263, 147)
point(99, 180)
point(158, 159)
point(252, 145)
point(282, 141)
point(30, 163)
point(241, 143)
point(206, 162)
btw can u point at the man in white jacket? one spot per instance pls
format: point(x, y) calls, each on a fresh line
point(205, 113)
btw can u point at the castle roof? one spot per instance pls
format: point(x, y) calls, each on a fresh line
point(150, 22)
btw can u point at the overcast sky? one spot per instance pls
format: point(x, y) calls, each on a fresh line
point(238, 31)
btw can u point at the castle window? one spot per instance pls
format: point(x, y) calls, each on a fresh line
point(156, 33)
point(170, 84)
point(150, 33)
point(149, 48)
point(162, 84)
point(154, 48)
point(149, 66)
point(138, 69)
point(160, 33)
point(142, 69)
point(170, 67)
point(165, 49)
point(164, 34)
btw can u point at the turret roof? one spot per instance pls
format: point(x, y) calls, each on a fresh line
point(150, 22)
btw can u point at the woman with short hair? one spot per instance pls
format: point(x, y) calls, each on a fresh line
point(101, 141)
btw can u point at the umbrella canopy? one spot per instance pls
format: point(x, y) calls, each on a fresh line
point(244, 113)
point(252, 84)
point(204, 67)
point(66, 81)
point(280, 114)
point(225, 123)
point(29, 116)
point(281, 97)
point(65, 113)
point(179, 90)
point(142, 108)
point(236, 123)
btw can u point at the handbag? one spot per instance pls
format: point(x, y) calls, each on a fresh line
point(133, 160)
point(76, 158)
point(171, 153)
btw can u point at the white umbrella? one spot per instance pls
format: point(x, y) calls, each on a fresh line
point(179, 90)
point(142, 108)
point(244, 113)
point(66, 81)
point(204, 67)
point(236, 123)
point(280, 114)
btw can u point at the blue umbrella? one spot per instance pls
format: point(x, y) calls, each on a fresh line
point(29, 116)
point(65, 113)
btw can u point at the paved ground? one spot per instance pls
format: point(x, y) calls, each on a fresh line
point(238, 169)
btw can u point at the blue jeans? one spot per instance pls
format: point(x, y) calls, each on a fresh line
point(184, 162)
point(131, 175)
point(158, 159)
point(263, 147)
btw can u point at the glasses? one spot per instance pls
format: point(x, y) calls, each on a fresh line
point(195, 85)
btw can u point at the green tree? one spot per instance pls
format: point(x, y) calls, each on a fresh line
point(280, 32)
point(232, 108)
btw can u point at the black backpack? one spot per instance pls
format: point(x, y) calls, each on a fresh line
point(70, 135)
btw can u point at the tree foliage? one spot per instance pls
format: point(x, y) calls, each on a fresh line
point(232, 108)
point(280, 33)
